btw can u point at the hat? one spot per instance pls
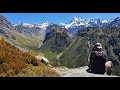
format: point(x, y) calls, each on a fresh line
point(98, 45)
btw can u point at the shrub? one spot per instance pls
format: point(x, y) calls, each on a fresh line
point(37, 71)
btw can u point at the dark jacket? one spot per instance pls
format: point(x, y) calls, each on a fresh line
point(97, 61)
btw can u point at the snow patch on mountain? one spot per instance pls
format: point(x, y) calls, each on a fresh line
point(24, 24)
point(79, 23)
point(42, 25)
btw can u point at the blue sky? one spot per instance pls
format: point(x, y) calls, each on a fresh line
point(54, 17)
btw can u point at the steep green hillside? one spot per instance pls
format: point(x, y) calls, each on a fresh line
point(77, 53)
point(56, 41)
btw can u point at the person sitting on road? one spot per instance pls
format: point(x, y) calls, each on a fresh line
point(97, 60)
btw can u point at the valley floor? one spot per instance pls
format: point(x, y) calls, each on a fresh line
point(78, 72)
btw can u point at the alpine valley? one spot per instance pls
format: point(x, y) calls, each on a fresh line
point(65, 44)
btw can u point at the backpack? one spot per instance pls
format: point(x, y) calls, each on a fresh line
point(98, 60)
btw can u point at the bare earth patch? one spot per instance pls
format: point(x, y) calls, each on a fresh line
point(78, 72)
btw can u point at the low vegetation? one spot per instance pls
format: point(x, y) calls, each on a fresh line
point(14, 62)
point(56, 41)
point(77, 53)
point(39, 71)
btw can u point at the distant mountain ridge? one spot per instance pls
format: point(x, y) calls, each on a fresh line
point(27, 35)
point(73, 26)
point(55, 42)
point(79, 23)
point(13, 35)
point(35, 29)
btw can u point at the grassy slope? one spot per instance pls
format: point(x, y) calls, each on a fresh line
point(14, 62)
point(74, 56)
point(77, 53)
point(55, 42)
point(24, 41)
point(27, 41)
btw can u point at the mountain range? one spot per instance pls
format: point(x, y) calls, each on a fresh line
point(56, 43)
point(73, 26)
point(19, 39)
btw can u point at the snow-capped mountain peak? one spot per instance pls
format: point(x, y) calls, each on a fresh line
point(44, 25)
point(105, 21)
point(62, 24)
point(24, 24)
point(115, 22)
point(118, 18)
point(74, 25)
point(78, 23)
point(77, 20)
